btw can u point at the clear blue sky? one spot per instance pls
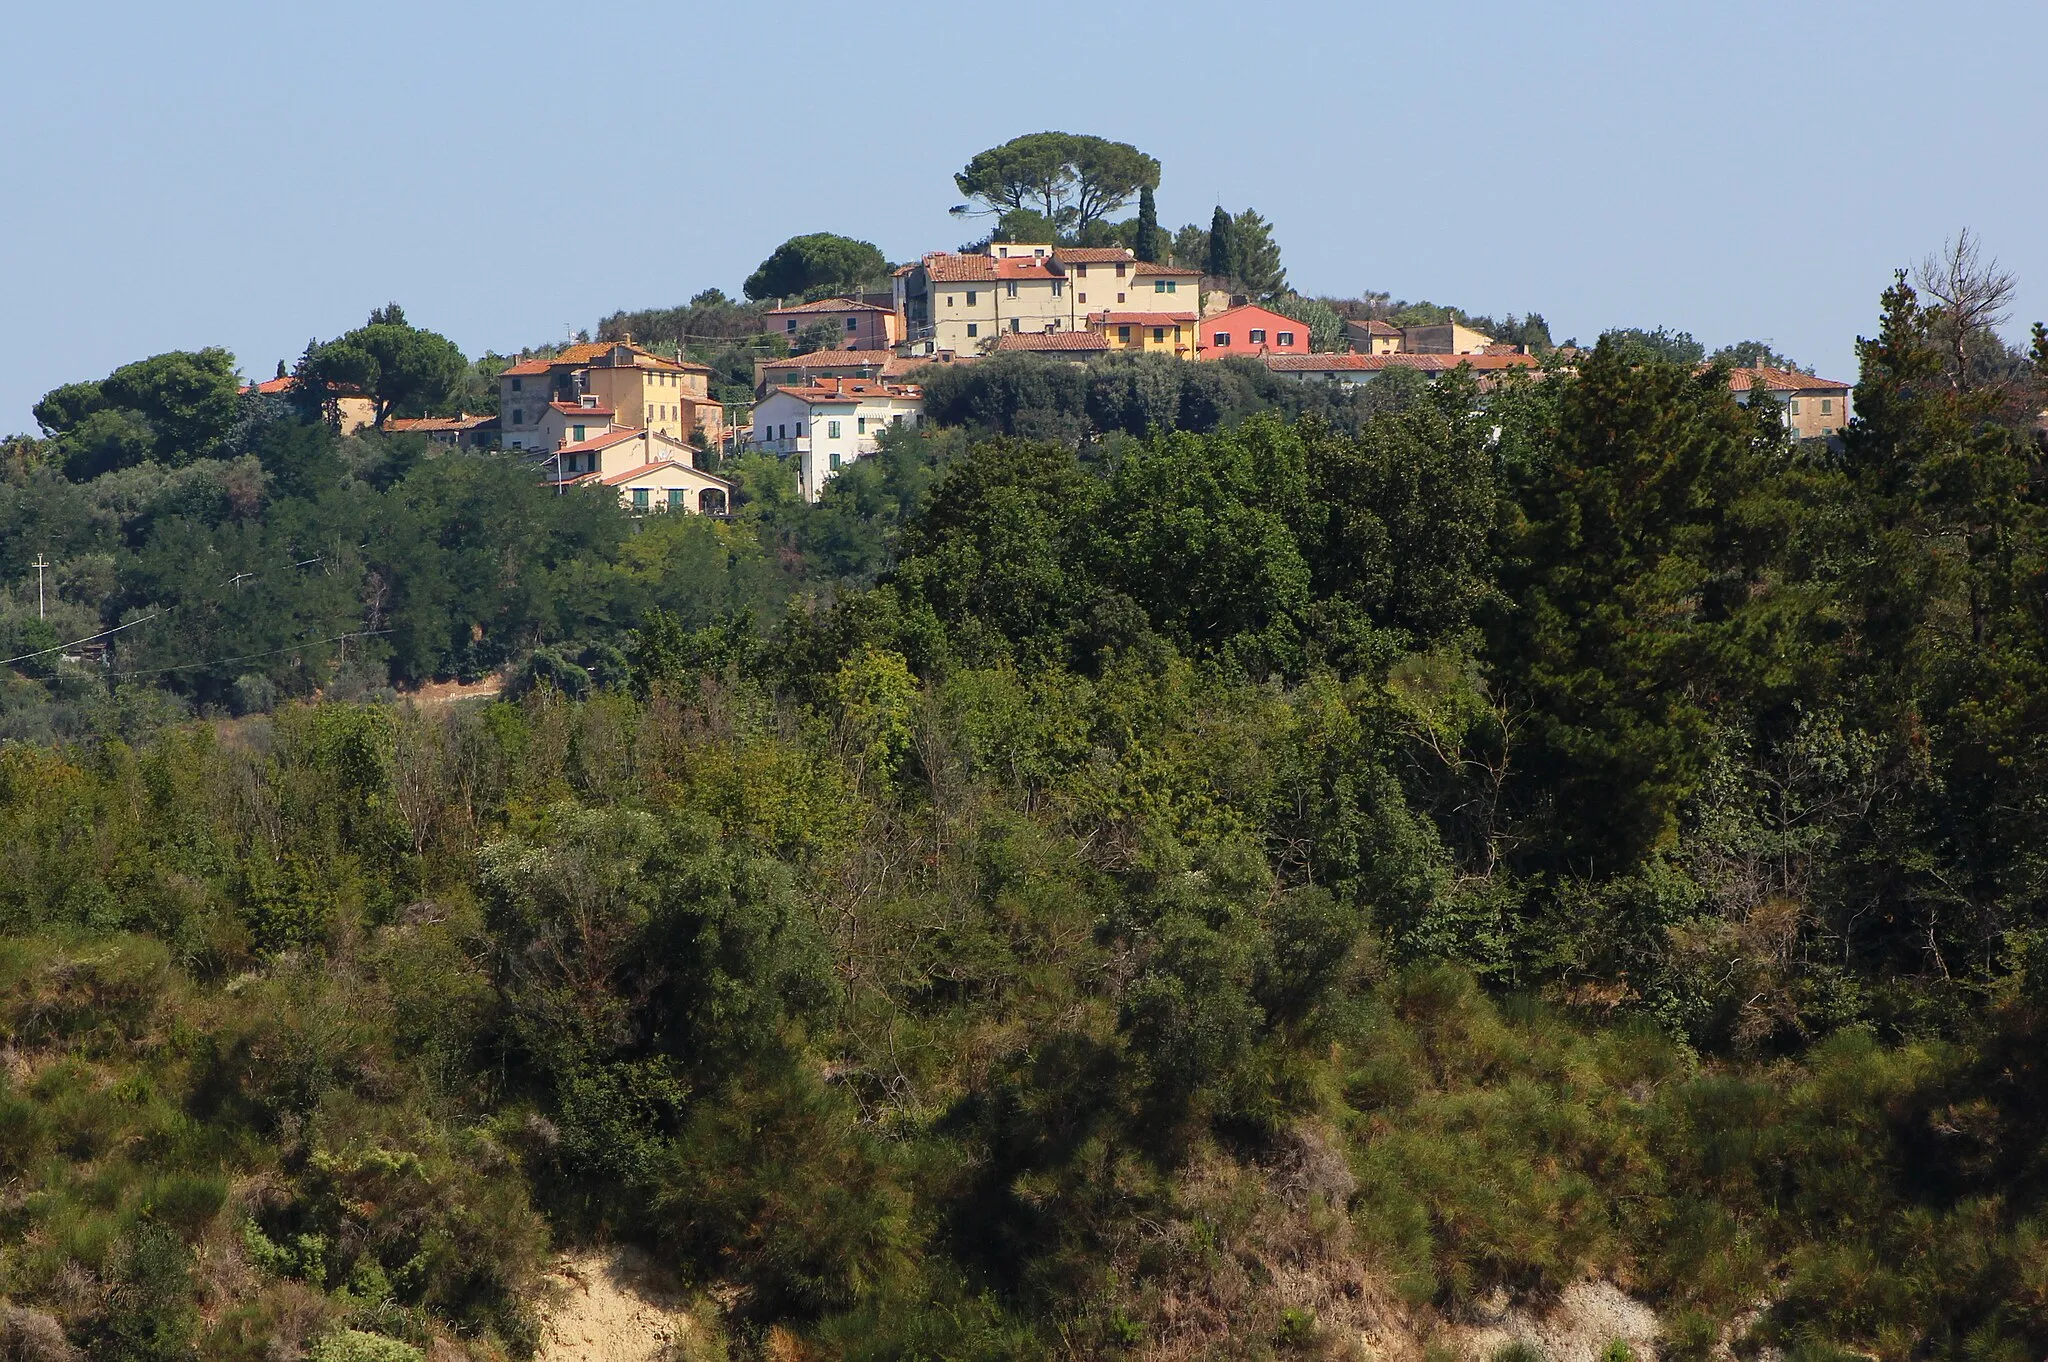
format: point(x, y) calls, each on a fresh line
point(256, 175)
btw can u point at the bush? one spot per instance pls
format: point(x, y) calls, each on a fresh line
point(353, 1345)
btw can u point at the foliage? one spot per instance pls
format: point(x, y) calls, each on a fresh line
point(407, 370)
point(1070, 179)
point(818, 265)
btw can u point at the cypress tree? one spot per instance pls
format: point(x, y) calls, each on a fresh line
point(1222, 248)
point(1147, 246)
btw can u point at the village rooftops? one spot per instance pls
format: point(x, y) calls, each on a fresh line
point(577, 409)
point(1781, 380)
point(1374, 363)
point(605, 441)
point(622, 354)
point(827, 305)
point(852, 390)
point(1087, 342)
point(1142, 319)
point(435, 425)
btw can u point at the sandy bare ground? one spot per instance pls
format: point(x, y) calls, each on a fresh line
point(606, 1306)
point(447, 692)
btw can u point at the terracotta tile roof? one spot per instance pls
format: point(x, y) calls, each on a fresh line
point(588, 354)
point(948, 268)
point(833, 359)
point(1146, 267)
point(577, 409)
point(829, 305)
point(648, 470)
point(424, 424)
point(1500, 348)
point(1374, 327)
point(1052, 340)
point(1141, 319)
point(1251, 311)
point(1375, 363)
point(848, 389)
point(277, 387)
point(1781, 380)
point(1093, 255)
point(602, 441)
point(1025, 267)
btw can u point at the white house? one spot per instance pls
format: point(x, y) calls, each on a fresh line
point(830, 423)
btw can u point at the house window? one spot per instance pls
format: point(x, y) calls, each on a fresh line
point(831, 430)
point(1287, 338)
point(1165, 286)
point(1082, 297)
point(1119, 271)
point(676, 500)
point(860, 425)
point(579, 433)
point(973, 330)
point(852, 324)
point(949, 300)
point(1795, 406)
point(835, 461)
point(1119, 297)
point(1158, 335)
point(972, 294)
point(1014, 326)
point(897, 419)
point(789, 324)
point(1080, 271)
point(1258, 335)
point(518, 417)
point(1827, 406)
point(639, 498)
point(515, 385)
point(1223, 339)
point(799, 430)
point(1123, 333)
point(1011, 288)
point(1058, 287)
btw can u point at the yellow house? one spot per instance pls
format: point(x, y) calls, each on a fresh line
point(1169, 333)
point(639, 389)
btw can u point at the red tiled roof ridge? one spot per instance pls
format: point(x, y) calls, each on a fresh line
point(830, 358)
point(1742, 378)
point(831, 305)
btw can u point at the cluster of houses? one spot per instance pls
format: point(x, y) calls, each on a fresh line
point(612, 413)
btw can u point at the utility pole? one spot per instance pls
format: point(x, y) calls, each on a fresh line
point(39, 565)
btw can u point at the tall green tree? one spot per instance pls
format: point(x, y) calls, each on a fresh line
point(407, 370)
point(1072, 178)
point(1149, 244)
point(820, 264)
point(1255, 256)
point(1221, 260)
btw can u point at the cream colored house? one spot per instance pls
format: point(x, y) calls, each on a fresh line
point(666, 485)
point(1813, 408)
point(1444, 338)
point(828, 424)
point(637, 388)
point(352, 410)
point(1373, 337)
point(966, 302)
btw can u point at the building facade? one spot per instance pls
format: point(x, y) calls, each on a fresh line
point(1813, 408)
point(855, 325)
point(639, 389)
point(826, 425)
point(1252, 330)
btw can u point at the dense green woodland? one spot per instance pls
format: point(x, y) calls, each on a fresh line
point(1161, 865)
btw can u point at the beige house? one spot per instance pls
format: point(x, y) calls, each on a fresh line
point(1373, 337)
point(666, 485)
point(855, 325)
point(1444, 338)
point(1813, 408)
point(967, 302)
point(637, 389)
point(352, 410)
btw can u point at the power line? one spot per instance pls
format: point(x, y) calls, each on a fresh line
point(247, 657)
point(89, 638)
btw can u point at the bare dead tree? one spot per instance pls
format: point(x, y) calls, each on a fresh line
point(1973, 294)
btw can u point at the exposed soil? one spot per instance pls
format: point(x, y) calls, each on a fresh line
point(609, 1306)
point(447, 692)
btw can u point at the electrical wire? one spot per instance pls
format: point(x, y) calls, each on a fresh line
point(89, 638)
point(247, 657)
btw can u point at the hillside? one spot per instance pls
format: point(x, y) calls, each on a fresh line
point(1284, 886)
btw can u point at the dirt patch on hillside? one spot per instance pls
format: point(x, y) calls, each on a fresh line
point(447, 692)
point(609, 1306)
point(1586, 1318)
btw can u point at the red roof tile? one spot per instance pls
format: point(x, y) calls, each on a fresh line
point(1147, 267)
point(647, 470)
point(605, 441)
point(1141, 319)
point(577, 409)
point(829, 305)
point(1375, 363)
point(847, 389)
point(833, 359)
point(946, 267)
point(1781, 380)
point(423, 424)
point(1093, 255)
point(1052, 340)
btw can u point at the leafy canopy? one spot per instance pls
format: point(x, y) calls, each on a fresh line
point(818, 265)
point(410, 372)
point(1071, 178)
